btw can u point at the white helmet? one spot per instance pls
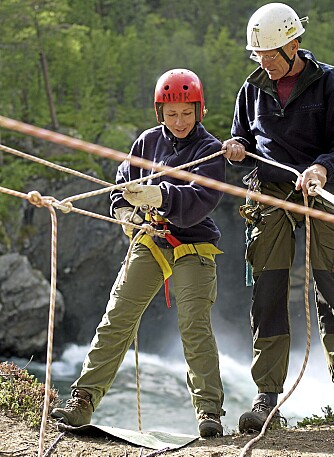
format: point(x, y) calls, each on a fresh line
point(272, 26)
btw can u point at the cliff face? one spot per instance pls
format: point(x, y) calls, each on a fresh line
point(89, 254)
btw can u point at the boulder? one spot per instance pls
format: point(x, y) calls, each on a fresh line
point(24, 308)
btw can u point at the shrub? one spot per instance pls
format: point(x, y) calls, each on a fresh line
point(22, 395)
point(317, 420)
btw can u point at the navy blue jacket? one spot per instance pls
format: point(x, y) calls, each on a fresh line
point(185, 204)
point(300, 134)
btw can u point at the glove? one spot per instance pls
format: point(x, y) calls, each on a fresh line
point(124, 214)
point(139, 195)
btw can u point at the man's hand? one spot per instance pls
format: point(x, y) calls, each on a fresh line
point(139, 195)
point(312, 176)
point(235, 151)
point(124, 214)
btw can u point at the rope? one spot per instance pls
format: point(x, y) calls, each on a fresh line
point(103, 151)
point(323, 193)
point(54, 444)
point(52, 165)
point(35, 198)
point(149, 230)
point(66, 206)
point(138, 382)
point(146, 178)
point(272, 162)
point(50, 327)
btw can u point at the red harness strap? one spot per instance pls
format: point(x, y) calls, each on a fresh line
point(173, 242)
point(170, 238)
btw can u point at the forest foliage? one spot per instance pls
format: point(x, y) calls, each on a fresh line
point(88, 67)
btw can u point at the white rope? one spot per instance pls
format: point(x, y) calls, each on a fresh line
point(324, 193)
point(312, 188)
point(107, 152)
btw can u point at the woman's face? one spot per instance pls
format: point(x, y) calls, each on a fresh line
point(179, 118)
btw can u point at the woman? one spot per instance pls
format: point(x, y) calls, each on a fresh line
point(188, 253)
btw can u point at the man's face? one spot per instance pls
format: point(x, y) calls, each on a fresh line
point(273, 62)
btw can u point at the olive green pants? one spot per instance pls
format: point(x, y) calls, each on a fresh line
point(195, 288)
point(271, 252)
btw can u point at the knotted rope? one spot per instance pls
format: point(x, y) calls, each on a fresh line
point(113, 154)
point(66, 206)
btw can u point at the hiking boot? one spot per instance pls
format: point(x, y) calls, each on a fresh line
point(253, 420)
point(77, 411)
point(209, 425)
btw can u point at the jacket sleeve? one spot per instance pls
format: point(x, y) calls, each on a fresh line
point(327, 159)
point(187, 204)
point(240, 129)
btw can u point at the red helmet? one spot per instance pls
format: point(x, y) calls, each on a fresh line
point(179, 86)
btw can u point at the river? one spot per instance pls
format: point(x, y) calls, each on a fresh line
point(164, 399)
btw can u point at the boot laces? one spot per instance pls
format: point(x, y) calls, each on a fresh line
point(210, 416)
point(79, 400)
point(75, 403)
point(261, 407)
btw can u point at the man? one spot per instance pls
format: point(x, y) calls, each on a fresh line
point(188, 252)
point(284, 112)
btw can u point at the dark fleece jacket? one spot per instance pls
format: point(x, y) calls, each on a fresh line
point(186, 205)
point(300, 134)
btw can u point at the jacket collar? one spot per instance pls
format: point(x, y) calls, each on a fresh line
point(312, 71)
point(193, 135)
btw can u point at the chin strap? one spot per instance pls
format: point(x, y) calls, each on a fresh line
point(289, 61)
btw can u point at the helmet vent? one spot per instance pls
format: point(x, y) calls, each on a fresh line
point(166, 87)
point(185, 87)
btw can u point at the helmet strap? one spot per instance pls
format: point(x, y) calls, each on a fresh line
point(289, 61)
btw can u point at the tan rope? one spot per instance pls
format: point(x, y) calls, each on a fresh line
point(126, 264)
point(66, 206)
point(52, 165)
point(145, 178)
point(50, 327)
point(150, 231)
point(138, 382)
point(36, 199)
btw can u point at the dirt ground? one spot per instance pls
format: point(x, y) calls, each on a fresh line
point(18, 440)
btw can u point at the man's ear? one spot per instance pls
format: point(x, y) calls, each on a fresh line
point(294, 45)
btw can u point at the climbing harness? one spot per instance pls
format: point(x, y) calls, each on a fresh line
point(179, 249)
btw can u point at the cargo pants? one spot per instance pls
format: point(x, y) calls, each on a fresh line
point(271, 252)
point(195, 288)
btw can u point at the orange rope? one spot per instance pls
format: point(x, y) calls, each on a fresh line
point(103, 151)
point(66, 206)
